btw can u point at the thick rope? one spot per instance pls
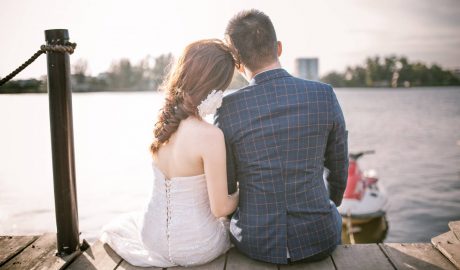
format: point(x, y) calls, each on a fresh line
point(68, 48)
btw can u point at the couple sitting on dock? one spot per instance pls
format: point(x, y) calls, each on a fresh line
point(261, 163)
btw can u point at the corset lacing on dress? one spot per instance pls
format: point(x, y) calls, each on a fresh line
point(176, 228)
point(168, 216)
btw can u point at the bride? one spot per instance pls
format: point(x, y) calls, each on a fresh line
point(184, 222)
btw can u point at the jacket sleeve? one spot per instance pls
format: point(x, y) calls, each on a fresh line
point(231, 166)
point(336, 156)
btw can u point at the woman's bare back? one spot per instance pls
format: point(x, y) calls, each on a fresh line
point(181, 155)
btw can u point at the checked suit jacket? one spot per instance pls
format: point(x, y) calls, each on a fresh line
point(280, 134)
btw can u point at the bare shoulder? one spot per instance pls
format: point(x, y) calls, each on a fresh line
point(211, 142)
point(204, 138)
point(210, 133)
point(203, 131)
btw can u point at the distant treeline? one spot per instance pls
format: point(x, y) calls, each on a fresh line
point(122, 75)
point(23, 86)
point(149, 73)
point(392, 71)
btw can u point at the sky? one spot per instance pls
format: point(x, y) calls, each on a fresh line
point(340, 33)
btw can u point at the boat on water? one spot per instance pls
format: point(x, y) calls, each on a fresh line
point(363, 205)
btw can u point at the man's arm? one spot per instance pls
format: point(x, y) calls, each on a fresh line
point(231, 166)
point(336, 157)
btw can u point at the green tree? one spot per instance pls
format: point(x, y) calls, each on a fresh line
point(392, 71)
point(22, 86)
point(121, 75)
point(335, 79)
point(163, 64)
point(79, 70)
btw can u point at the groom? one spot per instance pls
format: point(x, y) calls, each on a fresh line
point(280, 133)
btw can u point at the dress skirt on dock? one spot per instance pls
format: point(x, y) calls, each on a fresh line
point(177, 228)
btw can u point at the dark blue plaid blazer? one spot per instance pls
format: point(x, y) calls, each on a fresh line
point(280, 133)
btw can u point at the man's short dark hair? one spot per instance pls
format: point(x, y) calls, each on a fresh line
point(252, 34)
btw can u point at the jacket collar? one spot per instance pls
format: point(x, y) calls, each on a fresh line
point(269, 75)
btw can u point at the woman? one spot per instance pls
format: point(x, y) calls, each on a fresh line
point(184, 222)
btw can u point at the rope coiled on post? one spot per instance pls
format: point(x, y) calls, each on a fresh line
point(69, 47)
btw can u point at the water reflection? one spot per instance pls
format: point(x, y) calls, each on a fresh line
point(373, 230)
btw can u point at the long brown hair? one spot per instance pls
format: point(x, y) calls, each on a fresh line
point(205, 65)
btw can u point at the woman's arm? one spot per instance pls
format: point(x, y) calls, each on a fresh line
point(214, 162)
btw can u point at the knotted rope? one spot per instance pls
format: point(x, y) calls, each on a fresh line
point(69, 47)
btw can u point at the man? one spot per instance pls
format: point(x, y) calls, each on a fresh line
point(280, 133)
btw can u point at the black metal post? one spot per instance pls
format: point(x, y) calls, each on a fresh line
point(60, 102)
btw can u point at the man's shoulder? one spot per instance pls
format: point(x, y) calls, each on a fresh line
point(231, 103)
point(232, 94)
point(290, 81)
point(310, 84)
point(285, 82)
point(235, 97)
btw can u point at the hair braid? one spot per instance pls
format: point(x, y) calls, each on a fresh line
point(204, 66)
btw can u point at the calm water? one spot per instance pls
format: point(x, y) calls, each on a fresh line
point(415, 132)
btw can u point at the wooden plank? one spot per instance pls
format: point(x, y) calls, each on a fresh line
point(362, 256)
point(41, 254)
point(99, 256)
point(416, 256)
point(55, 262)
point(449, 246)
point(325, 264)
point(454, 226)
point(237, 261)
point(217, 264)
point(12, 245)
point(126, 266)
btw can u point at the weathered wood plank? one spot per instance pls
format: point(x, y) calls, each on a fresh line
point(41, 254)
point(12, 245)
point(217, 264)
point(236, 260)
point(362, 256)
point(454, 226)
point(99, 256)
point(416, 256)
point(449, 246)
point(325, 264)
point(55, 262)
point(124, 265)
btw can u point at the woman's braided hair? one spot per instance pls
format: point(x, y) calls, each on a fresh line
point(204, 66)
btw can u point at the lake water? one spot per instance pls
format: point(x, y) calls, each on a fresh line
point(415, 133)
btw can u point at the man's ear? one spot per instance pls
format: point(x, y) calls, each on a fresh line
point(280, 48)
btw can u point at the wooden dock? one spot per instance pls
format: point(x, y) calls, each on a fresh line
point(38, 252)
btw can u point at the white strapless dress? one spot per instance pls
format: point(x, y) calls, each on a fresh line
point(177, 227)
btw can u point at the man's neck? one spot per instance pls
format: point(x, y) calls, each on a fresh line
point(251, 74)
